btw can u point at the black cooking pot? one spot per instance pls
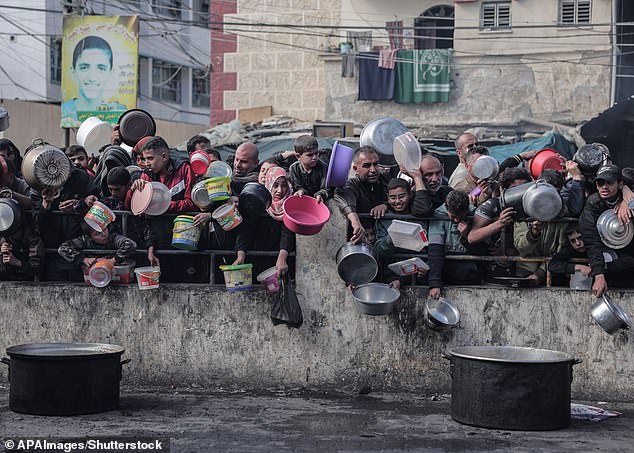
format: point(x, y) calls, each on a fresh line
point(591, 157)
point(504, 387)
point(64, 378)
point(135, 124)
point(10, 216)
point(254, 199)
point(513, 198)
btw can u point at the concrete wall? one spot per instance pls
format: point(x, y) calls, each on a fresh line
point(203, 335)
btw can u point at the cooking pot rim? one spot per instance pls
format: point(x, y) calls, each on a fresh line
point(480, 353)
point(64, 350)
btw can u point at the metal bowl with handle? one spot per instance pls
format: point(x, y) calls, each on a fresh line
point(357, 263)
point(609, 315)
point(375, 298)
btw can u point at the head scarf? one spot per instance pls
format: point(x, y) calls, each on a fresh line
point(273, 174)
point(136, 150)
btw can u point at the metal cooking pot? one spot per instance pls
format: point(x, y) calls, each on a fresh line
point(512, 198)
point(64, 378)
point(612, 232)
point(441, 314)
point(357, 263)
point(200, 195)
point(505, 387)
point(485, 167)
point(591, 157)
point(135, 124)
point(542, 201)
point(609, 315)
point(254, 199)
point(10, 216)
point(376, 298)
point(380, 134)
point(45, 166)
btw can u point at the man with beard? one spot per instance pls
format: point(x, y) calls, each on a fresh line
point(245, 167)
point(603, 259)
point(364, 193)
point(430, 193)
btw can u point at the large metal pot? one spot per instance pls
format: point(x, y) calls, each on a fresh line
point(609, 315)
point(542, 201)
point(380, 134)
point(64, 378)
point(505, 387)
point(357, 263)
point(45, 166)
point(612, 232)
point(512, 198)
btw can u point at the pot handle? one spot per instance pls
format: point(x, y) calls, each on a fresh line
point(123, 362)
point(5, 360)
point(445, 356)
point(576, 361)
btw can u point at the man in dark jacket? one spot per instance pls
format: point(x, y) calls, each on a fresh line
point(560, 265)
point(364, 193)
point(430, 191)
point(604, 260)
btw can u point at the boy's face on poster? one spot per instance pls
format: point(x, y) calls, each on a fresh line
point(91, 73)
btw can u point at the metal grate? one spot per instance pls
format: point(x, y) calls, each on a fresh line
point(495, 16)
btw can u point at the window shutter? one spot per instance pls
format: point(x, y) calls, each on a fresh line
point(504, 15)
point(575, 11)
point(488, 16)
point(584, 12)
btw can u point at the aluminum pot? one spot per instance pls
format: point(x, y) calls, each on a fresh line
point(380, 134)
point(515, 388)
point(609, 315)
point(45, 166)
point(254, 199)
point(542, 201)
point(486, 167)
point(10, 216)
point(612, 232)
point(375, 298)
point(357, 263)
point(591, 157)
point(441, 314)
point(64, 378)
point(512, 198)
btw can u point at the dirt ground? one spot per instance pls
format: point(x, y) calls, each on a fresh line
point(196, 420)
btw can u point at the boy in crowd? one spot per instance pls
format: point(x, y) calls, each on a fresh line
point(15, 187)
point(79, 158)
point(22, 251)
point(308, 174)
point(449, 237)
point(574, 247)
point(72, 250)
point(138, 228)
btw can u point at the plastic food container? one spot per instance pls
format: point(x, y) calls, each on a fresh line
point(148, 277)
point(199, 161)
point(269, 279)
point(101, 273)
point(407, 235)
point(123, 272)
point(154, 199)
point(99, 216)
point(304, 215)
point(93, 134)
point(238, 278)
point(218, 188)
point(185, 235)
point(407, 151)
point(408, 267)
point(227, 216)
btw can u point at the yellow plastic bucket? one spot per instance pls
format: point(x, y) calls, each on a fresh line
point(239, 277)
point(185, 235)
point(218, 188)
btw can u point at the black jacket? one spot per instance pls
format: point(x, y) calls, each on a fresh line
point(594, 207)
point(360, 197)
point(560, 263)
point(425, 202)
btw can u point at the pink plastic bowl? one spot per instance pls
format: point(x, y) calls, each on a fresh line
point(304, 215)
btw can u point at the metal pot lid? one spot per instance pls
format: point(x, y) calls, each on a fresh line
point(542, 202)
point(511, 354)
point(134, 125)
point(51, 167)
point(612, 232)
point(380, 134)
point(485, 167)
point(55, 350)
point(8, 208)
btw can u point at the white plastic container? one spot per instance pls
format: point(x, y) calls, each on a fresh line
point(580, 281)
point(93, 134)
point(408, 235)
point(407, 151)
point(408, 267)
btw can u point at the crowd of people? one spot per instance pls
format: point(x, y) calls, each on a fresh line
point(461, 214)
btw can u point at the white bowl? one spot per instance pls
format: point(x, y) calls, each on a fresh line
point(93, 134)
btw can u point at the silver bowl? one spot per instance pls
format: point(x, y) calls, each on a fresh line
point(441, 314)
point(375, 298)
point(609, 315)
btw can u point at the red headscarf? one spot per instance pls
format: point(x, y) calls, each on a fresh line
point(140, 144)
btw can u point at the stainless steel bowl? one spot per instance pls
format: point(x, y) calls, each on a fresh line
point(380, 134)
point(441, 314)
point(375, 298)
point(612, 232)
point(486, 167)
point(609, 315)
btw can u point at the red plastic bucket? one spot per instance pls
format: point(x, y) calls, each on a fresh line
point(148, 277)
point(199, 161)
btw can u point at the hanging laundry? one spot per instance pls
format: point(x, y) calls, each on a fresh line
point(387, 58)
point(361, 41)
point(347, 65)
point(395, 33)
point(422, 76)
point(375, 84)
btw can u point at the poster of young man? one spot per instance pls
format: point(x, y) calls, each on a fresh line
point(99, 67)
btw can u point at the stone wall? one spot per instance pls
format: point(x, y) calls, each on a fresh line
point(202, 335)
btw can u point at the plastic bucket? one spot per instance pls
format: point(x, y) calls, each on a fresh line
point(237, 278)
point(148, 277)
point(123, 272)
point(580, 282)
point(269, 279)
point(199, 161)
point(185, 235)
point(227, 216)
point(101, 273)
point(218, 188)
point(99, 216)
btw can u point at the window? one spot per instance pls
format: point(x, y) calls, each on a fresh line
point(201, 12)
point(166, 81)
point(495, 16)
point(575, 11)
point(56, 60)
point(434, 28)
point(200, 88)
point(170, 8)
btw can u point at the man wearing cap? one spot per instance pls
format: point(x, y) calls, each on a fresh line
point(603, 259)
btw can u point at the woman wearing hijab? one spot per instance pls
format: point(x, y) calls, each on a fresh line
point(269, 233)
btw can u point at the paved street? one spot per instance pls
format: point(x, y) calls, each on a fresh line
point(199, 421)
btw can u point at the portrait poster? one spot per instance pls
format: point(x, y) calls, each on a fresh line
point(99, 67)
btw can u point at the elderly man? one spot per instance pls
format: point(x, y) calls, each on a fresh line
point(430, 192)
point(604, 259)
point(245, 167)
point(364, 193)
point(459, 175)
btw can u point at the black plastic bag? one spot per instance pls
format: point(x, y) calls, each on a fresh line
point(286, 309)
